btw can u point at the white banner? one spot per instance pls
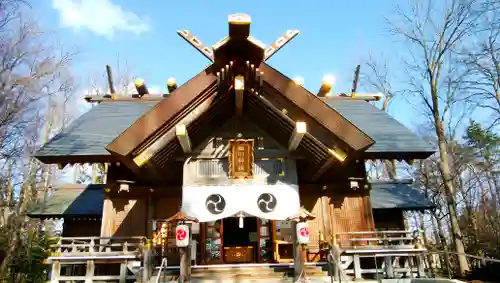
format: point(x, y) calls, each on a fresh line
point(274, 202)
point(209, 203)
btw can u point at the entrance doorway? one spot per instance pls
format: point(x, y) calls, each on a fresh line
point(240, 242)
point(223, 241)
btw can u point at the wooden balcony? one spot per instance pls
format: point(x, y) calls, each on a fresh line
point(86, 248)
point(390, 254)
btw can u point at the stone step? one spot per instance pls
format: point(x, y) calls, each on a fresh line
point(272, 272)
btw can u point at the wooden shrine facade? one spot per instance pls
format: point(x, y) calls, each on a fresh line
point(243, 134)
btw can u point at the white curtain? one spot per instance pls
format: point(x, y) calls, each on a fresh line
point(209, 203)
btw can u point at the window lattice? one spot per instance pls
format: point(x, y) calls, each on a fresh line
point(219, 168)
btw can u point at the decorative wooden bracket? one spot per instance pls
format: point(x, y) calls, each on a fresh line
point(196, 43)
point(279, 43)
point(239, 89)
point(163, 140)
point(183, 137)
point(297, 135)
point(239, 29)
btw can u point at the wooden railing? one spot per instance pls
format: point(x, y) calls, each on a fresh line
point(97, 246)
point(391, 253)
point(377, 239)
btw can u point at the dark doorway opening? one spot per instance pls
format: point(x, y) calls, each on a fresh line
point(240, 244)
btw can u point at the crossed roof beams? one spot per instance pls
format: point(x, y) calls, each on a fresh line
point(153, 131)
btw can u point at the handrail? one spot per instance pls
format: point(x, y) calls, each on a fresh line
point(163, 261)
point(72, 246)
point(467, 255)
point(331, 259)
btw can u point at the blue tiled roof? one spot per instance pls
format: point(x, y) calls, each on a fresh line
point(93, 131)
point(386, 195)
point(87, 200)
point(72, 200)
point(388, 133)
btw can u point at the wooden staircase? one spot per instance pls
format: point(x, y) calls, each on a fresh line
point(253, 272)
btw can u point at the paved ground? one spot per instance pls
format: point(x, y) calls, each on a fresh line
point(324, 280)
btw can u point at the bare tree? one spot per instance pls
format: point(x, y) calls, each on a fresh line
point(482, 58)
point(34, 74)
point(377, 77)
point(434, 31)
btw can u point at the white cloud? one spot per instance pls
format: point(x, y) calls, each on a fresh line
point(101, 17)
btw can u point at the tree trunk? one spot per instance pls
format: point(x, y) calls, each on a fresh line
point(430, 261)
point(443, 246)
point(444, 167)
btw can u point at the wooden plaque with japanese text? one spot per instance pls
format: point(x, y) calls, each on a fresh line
point(241, 158)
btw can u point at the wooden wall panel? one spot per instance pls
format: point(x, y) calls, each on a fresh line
point(389, 219)
point(167, 207)
point(315, 226)
point(124, 217)
point(132, 219)
point(345, 211)
point(348, 214)
point(81, 228)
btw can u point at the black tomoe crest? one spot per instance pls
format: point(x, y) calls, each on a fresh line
point(267, 202)
point(215, 204)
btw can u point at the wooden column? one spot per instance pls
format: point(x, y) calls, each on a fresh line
point(147, 261)
point(55, 273)
point(185, 272)
point(89, 275)
point(185, 252)
point(297, 252)
point(108, 215)
point(123, 272)
point(203, 242)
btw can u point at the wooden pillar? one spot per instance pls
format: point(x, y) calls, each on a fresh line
point(389, 271)
point(123, 272)
point(203, 242)
point(297, 267)
point(185, 272)
point(148, 261)
point(299, 254)
point(420, 266)
point(336, 264)
point(55, 272)
point(108, 215)
point(90, 271)
point(357, 267)
point(150, 215)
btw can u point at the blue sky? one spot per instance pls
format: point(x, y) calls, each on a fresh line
point(334, 36)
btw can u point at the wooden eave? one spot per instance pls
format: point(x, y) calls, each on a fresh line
point(76, 159)
point(398, 155)
point(164, 112)
point(264, 113)
point(316, 108)
point(221, 109)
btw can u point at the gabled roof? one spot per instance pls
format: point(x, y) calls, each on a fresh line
point(166, 113)
point(206, 101)
point(389, 195)
point(390, 135)
point(89, 134)
point(87, 200)
point(72, 200)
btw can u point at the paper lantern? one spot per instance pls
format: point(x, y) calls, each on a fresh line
point(182, 235)
point(302, 233)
